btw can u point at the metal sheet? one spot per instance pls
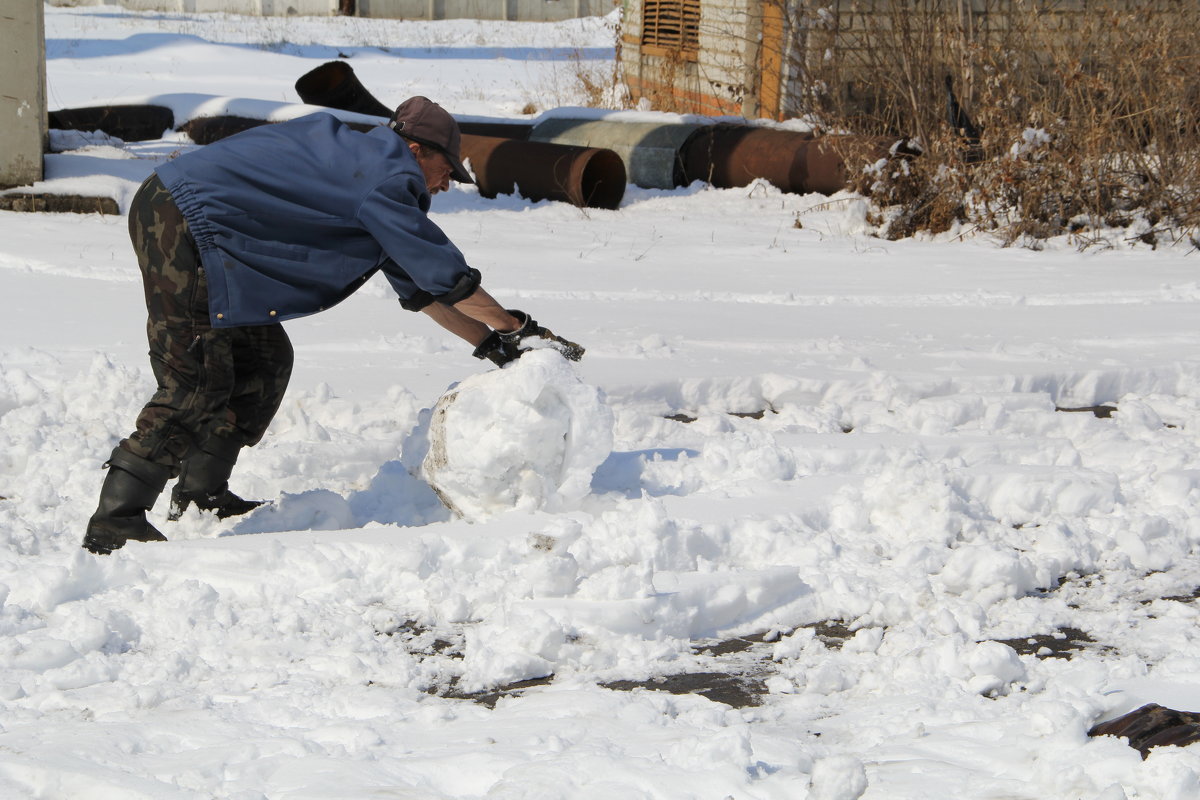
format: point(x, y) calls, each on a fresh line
point(651, 151)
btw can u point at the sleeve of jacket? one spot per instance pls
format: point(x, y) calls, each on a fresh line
point(421, 262)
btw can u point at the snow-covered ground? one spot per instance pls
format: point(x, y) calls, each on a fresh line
point(845, 446)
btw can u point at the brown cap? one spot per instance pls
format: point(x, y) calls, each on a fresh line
point(421, 120)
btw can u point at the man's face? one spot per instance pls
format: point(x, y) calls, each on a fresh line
point(434, 165)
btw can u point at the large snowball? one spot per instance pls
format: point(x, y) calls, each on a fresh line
point(527, 436)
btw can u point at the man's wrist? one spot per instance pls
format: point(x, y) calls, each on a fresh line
point(509, 321)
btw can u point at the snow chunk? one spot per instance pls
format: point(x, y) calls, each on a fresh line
point(994, 667)
point(528, 436)
point(838, 778)
point(988, 574)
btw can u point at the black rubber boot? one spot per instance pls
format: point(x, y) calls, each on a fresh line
point(129, 491)
point(204, 480)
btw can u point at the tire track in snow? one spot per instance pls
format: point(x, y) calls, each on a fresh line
point(35, 267)
point(982, 299)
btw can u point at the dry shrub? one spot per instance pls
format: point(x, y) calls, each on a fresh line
point(1082, 117)
point(583, 81)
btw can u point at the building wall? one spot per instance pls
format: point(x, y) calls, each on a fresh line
point(718, 78)
point(759, 57)
point(844, 33)
point(22, 94)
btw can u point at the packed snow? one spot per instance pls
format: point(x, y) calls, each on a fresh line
point(529, 436)
point(890, 473)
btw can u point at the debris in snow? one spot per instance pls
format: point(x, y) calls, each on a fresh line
point(1152, 726)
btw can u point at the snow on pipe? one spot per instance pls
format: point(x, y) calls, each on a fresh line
point(583, 176)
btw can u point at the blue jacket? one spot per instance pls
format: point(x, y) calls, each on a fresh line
point(290, 219)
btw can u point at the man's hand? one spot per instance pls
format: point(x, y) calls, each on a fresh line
point(520, 339)
point(500, 335)
point(502, 347)
point(496, 350)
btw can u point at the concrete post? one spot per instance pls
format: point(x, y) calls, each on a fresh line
point(22, 92)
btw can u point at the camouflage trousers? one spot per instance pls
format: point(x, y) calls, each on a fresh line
point(218, 389)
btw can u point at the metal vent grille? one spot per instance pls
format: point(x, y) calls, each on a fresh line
point(671, 25)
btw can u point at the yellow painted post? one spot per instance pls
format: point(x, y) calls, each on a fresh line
point(771, 66)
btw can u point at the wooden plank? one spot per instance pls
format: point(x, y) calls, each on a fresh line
point(773, 48)
point(671, 25)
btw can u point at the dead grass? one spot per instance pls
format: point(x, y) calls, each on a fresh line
point(1079, 123)
point(583, 82)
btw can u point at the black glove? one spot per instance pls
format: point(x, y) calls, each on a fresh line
point(496, 350)
point(530, 329)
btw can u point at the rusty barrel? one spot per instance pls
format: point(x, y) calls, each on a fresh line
point(583, 176)
point(736, 155)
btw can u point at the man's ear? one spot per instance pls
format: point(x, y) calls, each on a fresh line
point(414, 148)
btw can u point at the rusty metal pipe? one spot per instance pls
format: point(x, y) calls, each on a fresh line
point(206, 130)
point(334, 85)
point(582, 176)
point(728, 156)
point(131, 123)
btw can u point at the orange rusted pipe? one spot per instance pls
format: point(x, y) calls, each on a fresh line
point(736, 155)
point(582, 176)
